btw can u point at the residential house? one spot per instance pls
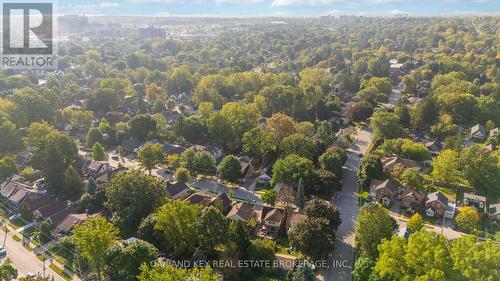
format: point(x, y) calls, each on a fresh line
point(384, 191)
point(494, 212)
point(178, 190)
point(436, 204)
point(295, 217)
point(475, 201)
point(240, 211)
point(81, 163)
point(390, 163)
point(107, 175)
point(98, 168)
point(270, 220)
point(173, 149)
point(264, 179)
point(434, 147)
point(477, 132)
point(47, 211)
point(35, 203)
point(246, 168)
point(68, 223)
point(222, 201)
point(16, 192)
point(413, 199)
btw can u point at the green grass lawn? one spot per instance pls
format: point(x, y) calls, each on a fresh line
point(62, 256)
point(17, 223)
point(60, 272)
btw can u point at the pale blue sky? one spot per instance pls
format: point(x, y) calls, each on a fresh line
point(276, 7)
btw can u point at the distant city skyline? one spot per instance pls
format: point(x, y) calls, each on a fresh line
point(277, 7)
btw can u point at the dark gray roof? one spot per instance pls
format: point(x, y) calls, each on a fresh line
point(172, 149)
point(437, 196)
point(176, 188)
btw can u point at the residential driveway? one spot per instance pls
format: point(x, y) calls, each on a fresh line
point(341, 263)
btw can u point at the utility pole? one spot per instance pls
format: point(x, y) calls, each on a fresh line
point(6, 230)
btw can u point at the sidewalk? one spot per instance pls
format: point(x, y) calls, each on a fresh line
point(37, 250)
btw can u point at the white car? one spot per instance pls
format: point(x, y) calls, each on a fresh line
point(13, 217)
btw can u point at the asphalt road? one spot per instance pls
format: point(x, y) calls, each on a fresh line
point(341, 263)
point(25, 261)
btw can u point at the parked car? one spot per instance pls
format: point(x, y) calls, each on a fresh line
point(14, 217)
point(3, 252)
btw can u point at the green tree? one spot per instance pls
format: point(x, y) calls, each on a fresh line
point(92, 239)
point(213, 229)
point(290, 169)
point(258, 141)
point(55, 153)
point(318, 208)
point(93, 136)
point(369, 168)
point(303, 273)
point(386, 124)
point(445, 166)
point(98, 152)
point(412, 178)
point(170, 273)
point(176, 220)
point(7, 166)
point(123, 260)
point(298, 144)
point(182, 174)
point(230, 168)
point(269, 196)
point(410, 260)
point(132, 196)
point(363, 268)
point(467, 219)
point(416, 222)
point(150, 156)
point(333, 160)
point(313, 237)
point(479, 168)
point(10, 140)
point(425, 113)
point(301, 197)
point(8, 272)
point(44, 232)
point(240, 235)
point(373, 225)
point(475, 260)
point(141, 126)
point(73, 186)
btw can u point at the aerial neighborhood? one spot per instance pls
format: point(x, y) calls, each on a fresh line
point(303, 143)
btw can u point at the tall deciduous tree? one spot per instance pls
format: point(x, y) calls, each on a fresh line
point(98, 152)
point(123, 260)
point(213, 229)
point(73, 186)
point(93, 239)
point(132, 196)
point(176, 220)
point(258, 141)
point(313, 237)
point(373, 225)
point(150, 156)
point(229, 168)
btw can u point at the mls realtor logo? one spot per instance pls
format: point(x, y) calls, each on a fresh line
point(28, 35)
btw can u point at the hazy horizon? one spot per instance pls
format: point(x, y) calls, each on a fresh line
point(278, 8)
